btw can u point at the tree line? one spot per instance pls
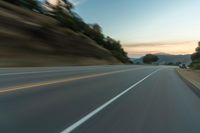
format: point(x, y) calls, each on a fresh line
point(63, 12)
point(196, 58)
point(150, 58)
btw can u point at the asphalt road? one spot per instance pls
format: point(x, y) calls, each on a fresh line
point(98, 99)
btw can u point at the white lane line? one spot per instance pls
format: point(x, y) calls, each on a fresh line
point(88, 116)
point(47, 71)
point(37, 72)
point(22, 73)
point(52, 71)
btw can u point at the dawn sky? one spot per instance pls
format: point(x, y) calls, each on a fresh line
point(151, 24)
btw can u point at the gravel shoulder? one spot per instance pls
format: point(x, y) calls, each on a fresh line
point(192, 76)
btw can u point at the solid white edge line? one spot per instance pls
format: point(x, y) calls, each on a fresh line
point(38, 72)
point(91, 114)
point(45, 83)
point(47, 71)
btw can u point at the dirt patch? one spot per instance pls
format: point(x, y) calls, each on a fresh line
point(193, 76)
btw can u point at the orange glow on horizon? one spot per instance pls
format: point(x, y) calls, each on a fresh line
point(175, 48)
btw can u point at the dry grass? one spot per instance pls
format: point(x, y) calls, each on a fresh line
point(192, 76)
point(28, 39)
point(26, 15)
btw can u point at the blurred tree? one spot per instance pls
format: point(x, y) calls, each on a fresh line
point(30, 4)
point(16, 2)
point(196, 58)
point(150, 58)
point(196, 55)
point(60, 6)
point(66, 4)
point(97, 28)
point(178, 63)
point(198, 48)
point(61, 10)
point(170, 64)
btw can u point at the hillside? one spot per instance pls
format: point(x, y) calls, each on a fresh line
point(167, 58)
point(32, 39)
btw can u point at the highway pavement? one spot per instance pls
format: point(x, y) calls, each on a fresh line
point(97, 99)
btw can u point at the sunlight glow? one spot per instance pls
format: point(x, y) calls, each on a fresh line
point(176, 48)
point(147, 21)
point(54, 2)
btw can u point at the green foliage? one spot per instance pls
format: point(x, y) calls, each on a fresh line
point(29, 4)
point(110, 44)
point(170, 64)
point(97, 28)
point(173, 63)
point(149, 59)
point(69, 19)
point(196, 58)
point(178, 63)
point(66, 4)
point(16, 2)
point(195, 64)
point(94, 31)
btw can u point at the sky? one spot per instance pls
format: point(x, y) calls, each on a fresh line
point(146, 26)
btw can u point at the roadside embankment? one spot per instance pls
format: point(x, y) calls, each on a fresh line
point(192, 77)
point(32, 39)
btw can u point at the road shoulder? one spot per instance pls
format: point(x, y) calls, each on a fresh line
point(191, 78)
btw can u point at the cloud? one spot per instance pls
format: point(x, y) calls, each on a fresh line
point(159, 44)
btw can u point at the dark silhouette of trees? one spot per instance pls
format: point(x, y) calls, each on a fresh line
point(61, 6)
point(196, 58)
point(66, 4)
point(62, 12)
point(30, 4)
point(96, 27)
point(16, 2)
point(150, 58)
point(95, 33)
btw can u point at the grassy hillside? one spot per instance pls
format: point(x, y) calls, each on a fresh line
point(32, 39)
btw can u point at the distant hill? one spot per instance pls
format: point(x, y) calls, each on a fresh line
point(167, 58)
